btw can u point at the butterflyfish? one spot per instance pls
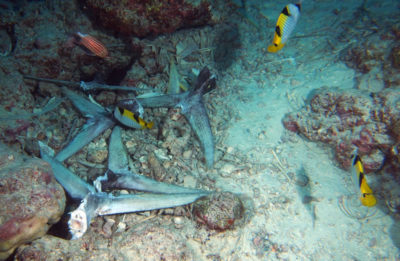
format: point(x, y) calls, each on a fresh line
point(129, 113)
point(367, 197)
point(285, 25)
point(91, 45)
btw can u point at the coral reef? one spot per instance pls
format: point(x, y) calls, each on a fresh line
point(31, 199)
point(363, 56)
point(351, 119)
point(148, 18)
point(39, 38)
point(41, 45)
point(374, 57)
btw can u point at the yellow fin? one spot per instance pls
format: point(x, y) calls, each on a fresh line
point(274, 48)
point(150, 125)
point(367, 197)
point(183, 87)
point(368, 200)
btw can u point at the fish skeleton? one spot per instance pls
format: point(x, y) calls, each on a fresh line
point(192, 107)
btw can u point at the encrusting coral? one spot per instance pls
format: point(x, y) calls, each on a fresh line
point(347, 120)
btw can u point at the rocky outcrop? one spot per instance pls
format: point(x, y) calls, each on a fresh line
point(351, 119)
point(148, 18)
point(31, 200)
point(220, 211)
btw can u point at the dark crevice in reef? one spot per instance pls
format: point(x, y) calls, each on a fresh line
point(118, 74)
point(61, 229)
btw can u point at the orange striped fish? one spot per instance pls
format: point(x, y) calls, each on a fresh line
point(91, 45)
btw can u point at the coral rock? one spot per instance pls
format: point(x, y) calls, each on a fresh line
point(347, 120)
point(219, 211)
point(148, 18)
point(31, 199)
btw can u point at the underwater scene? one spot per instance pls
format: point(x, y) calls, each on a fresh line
point(199, 130)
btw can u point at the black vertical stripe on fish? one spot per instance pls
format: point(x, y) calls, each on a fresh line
point(360, 173)
point(278, 31)
point(285, 11)
point(360, 179)
point(121, 110)
point(136, 117)
point(356, 159)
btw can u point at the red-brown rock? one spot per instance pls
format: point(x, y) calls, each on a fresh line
point(148, 18)
point(31, 200)
point(219, 211)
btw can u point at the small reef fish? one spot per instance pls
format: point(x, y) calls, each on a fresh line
point(128, 113)
point(367, 197)
point(90, 45)
point(285, 25)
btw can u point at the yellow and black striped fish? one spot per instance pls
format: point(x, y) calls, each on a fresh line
point(284, 27)
point(128, 112)
point(367, 197)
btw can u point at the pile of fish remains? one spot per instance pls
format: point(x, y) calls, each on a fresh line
point(118, 176)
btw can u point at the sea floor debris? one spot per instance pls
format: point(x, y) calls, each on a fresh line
point(101, 119)
point(86, 86)
point(95, 202)
point(192, 107)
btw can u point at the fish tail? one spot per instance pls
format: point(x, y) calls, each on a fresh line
point(275, 47)
point(368, 200)
point(145, 124)
point(149, 125)
point(183, 87)
point(367, 196)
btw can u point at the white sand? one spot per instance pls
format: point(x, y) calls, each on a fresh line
point(261, 99)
